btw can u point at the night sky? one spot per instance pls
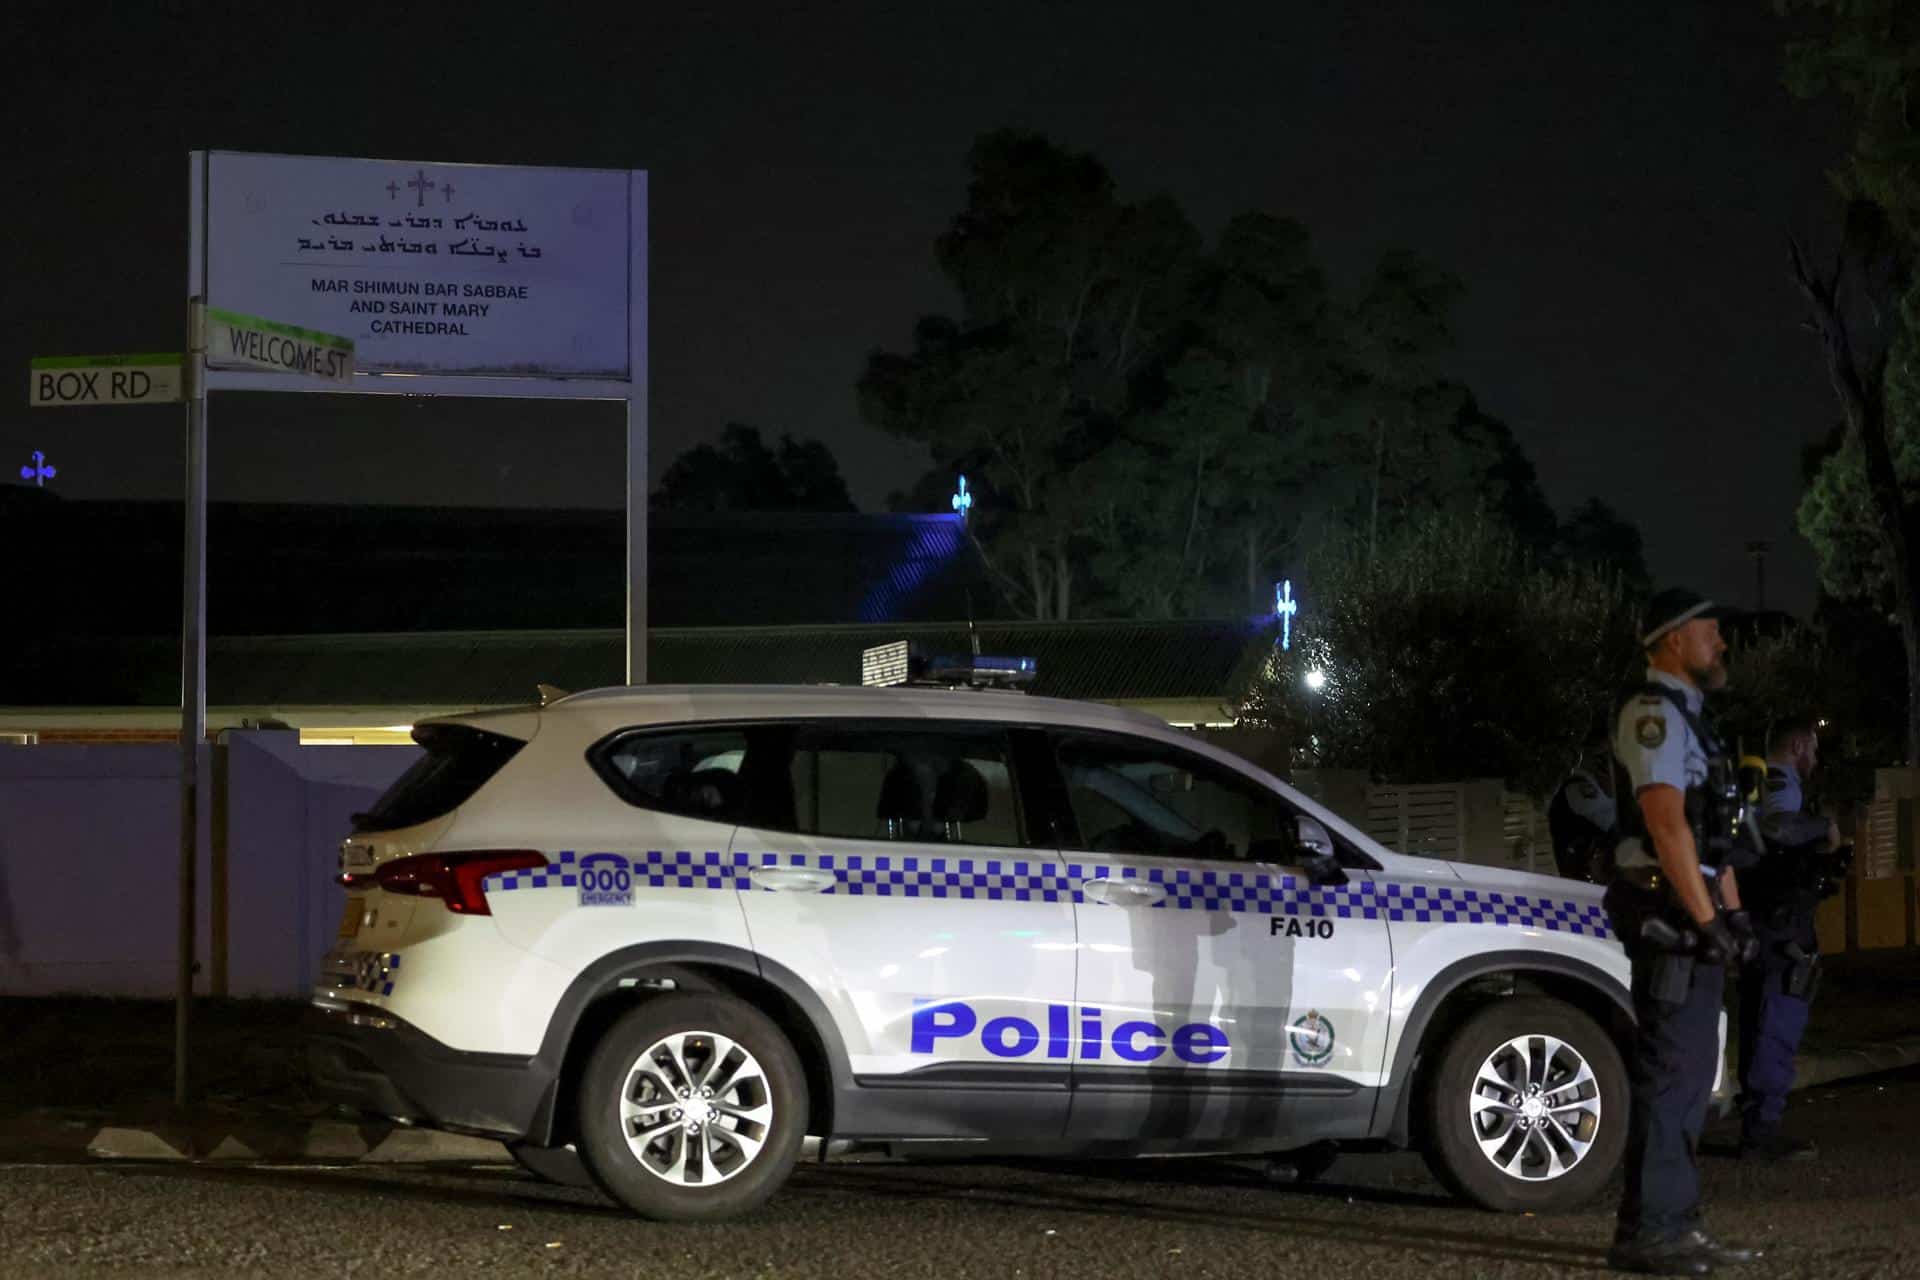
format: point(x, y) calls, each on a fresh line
point(1614, 182)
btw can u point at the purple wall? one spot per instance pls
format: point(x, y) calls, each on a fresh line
point(90, 850)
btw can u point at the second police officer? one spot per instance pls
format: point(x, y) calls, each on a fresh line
point(1804, 863)
point(1675, 904)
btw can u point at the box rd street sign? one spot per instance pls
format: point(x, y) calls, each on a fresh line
point(68, 381)
point(248, 342)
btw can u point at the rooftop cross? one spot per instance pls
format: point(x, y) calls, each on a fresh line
point(962, 500)
point(1285, 606)
point(39, 472)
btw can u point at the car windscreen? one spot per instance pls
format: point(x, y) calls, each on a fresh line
point(458, 762)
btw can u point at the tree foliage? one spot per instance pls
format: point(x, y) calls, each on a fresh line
point(1453, 653)
point(1860, 513)
point(1161, 427)
point(742, 474)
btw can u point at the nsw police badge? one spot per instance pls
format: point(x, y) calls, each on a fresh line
point(1312, 1039)
point(1650, 731)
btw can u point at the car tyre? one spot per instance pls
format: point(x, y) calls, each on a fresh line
point(1526, 1108)
point(561, 1166)
point(692, 1108)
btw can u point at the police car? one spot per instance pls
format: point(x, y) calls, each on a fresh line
point(657, 937)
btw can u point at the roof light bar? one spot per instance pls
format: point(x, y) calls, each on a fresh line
point(900, 663)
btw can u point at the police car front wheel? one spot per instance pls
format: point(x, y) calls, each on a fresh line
point(692, 1107)
point(1526, 1108)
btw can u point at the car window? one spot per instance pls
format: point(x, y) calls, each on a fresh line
point(927, 786)
point(1142, 797)
point(459, 760)
point(694, 773)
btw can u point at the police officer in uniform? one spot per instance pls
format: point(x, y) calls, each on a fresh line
point(1581, 819)
point(1675, 904)
point(1803, 859)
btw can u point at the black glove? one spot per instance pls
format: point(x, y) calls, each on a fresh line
point(1717, 943)
point(1740, 926)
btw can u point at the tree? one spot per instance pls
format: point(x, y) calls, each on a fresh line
point(1164, 427)
point(1450, 652)
point(1067, 293)
point(1863, 306)
point(742, 474)
point(1594, 535)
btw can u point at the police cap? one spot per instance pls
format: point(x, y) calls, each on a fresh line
point(1675, 607)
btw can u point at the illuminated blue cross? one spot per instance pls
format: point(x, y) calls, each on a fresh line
point(39, 472)
point(962, 500)
point(1285, 606)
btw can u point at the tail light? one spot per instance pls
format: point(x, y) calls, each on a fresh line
point(455, 878)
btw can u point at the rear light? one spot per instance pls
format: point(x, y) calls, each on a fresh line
point(455, 878)
point(349, 880)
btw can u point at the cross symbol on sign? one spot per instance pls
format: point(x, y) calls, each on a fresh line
point(1285, 606)
point(446, 189)
point(962, 500)
point(39, 472)
point(421, 184)
point(393, 191)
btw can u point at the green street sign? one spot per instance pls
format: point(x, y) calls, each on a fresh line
point(236, 341)
point(59, 382)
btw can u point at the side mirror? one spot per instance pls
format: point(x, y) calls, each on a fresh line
point(1323, 868)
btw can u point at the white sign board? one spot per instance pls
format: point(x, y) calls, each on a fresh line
point(236, 341)
point(63, 381)
point(429, 268)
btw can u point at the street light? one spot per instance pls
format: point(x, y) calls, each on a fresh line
point(1316, 679)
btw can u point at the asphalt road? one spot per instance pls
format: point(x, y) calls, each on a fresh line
point(1850, 1213)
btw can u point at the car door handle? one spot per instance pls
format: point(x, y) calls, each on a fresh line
point(1122, 893)
point(793, 879)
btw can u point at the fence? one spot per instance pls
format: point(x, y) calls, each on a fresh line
point(89, 862)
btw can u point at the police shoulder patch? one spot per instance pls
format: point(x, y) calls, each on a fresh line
point(1650, 731)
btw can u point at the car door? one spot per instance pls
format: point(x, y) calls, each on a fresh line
point(891, 871)
point(1234, 998)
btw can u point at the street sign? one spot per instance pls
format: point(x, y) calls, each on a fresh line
point(236, 341)
point(72, 381)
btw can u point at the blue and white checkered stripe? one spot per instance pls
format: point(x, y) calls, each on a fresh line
point(1015, 880)
point(377, 971)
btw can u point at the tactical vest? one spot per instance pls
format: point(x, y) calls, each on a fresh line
point(1699, 798)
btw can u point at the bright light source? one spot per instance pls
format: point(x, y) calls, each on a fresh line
point(1316, 679)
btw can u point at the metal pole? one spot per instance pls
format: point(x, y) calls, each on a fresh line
point(637, 428)
point(193, 684)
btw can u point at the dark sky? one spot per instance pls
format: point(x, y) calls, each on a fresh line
point(1614, 181)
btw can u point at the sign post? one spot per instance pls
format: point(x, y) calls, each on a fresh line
point(383, 277)
point(193, 686)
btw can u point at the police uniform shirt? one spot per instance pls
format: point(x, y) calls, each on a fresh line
point(1656, 746)
point(1780, 817)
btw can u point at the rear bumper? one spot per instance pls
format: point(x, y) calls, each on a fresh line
point(371, 1061)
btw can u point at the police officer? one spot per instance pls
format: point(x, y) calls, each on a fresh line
point(1581, 820)
point(1676, 908)
point(1776, 987)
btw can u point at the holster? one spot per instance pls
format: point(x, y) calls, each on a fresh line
point(1801, 980)
point(1633, 900)
point(1672, 977)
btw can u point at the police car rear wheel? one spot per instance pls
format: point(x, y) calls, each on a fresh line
point(692, 1107)
point(1526, 1109)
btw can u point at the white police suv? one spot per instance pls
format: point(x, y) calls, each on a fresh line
point(658, 936)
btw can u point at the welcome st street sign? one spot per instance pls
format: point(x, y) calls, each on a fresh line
point(55, 382)
point(236, 341)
